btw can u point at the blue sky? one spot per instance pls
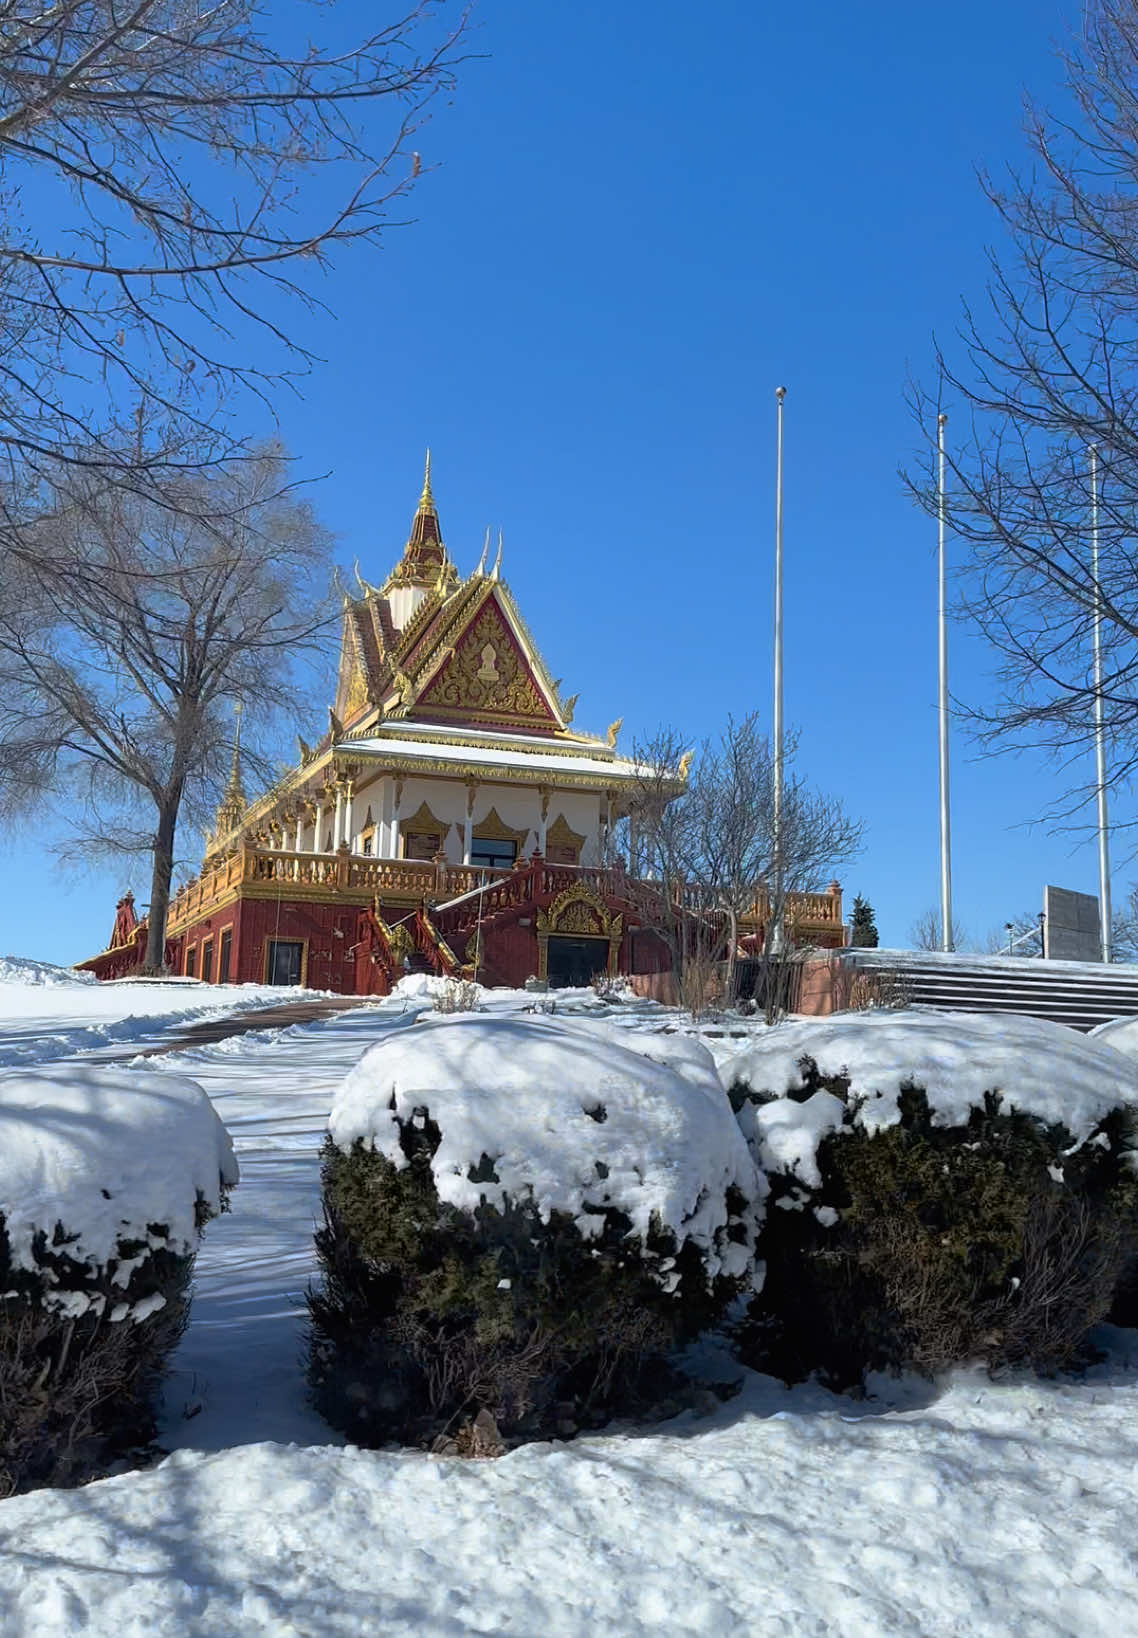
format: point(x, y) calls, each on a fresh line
point(640, 220)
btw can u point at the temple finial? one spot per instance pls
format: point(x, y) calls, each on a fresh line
point(426, 498)
point(423, 556)
point(481, 569)
point(497, 569)
point(233, 801)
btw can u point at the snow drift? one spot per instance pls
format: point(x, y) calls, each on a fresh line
point(23, 970)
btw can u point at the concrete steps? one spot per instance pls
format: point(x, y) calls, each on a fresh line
point(1079, 994)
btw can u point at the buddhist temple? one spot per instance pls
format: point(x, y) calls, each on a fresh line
point(450, 820)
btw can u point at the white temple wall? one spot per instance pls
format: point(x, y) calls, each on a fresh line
point(518, 806)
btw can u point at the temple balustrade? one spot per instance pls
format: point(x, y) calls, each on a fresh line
point(465, 893)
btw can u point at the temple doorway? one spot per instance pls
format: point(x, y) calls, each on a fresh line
point(284, 960)
point(574, 962)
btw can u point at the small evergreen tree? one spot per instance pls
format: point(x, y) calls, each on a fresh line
point(863, 925)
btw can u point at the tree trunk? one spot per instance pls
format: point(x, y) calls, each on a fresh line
point(155, 961)
point(732, 947)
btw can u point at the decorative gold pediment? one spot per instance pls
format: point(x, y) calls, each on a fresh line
point(561, 834)
point(579, 911)
point(494, 829)
point(487, 674)
point(424, 822)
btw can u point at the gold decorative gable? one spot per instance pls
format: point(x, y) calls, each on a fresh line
point(486, 677)
point(494, 829)
point(424, 822)
point(578, 912)
point(560, 834)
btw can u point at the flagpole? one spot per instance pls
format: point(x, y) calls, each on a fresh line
point(942, 702)
point(1104, 909)
point(776, 905)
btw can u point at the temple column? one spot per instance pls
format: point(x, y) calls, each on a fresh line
point(349, 792)
point(317, 824)
point(468, 827)
point(299, 830)
point(541, 829)
point(337, 824)
point(395, 819)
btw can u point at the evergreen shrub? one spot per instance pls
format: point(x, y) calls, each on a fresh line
point(82, 1351)
point(432, 1318)
point(921, 1245)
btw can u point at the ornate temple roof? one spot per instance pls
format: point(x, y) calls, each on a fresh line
point(440, 675)
point(432, 648)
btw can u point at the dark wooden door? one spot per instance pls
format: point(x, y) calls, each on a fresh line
point(573, 962)
point(284, 961)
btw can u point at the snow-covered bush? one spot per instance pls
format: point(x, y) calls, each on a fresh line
point(521, 1213)
point(107, 1176)
point(458, 995)
point(943, 1187)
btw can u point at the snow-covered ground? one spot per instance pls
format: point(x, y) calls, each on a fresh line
point(969, 1508)
point(48, 1013)
point(983, 1510)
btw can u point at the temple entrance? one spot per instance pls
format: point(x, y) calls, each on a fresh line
point(573, 962)
point(283, 961)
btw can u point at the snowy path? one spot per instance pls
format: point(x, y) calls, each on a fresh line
point(240, 1360)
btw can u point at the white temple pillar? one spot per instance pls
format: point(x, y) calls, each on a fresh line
point(395, 819)
point(299, 830)
point(468, 825)
point(348, 836)
point(541, 829)
point(337, 824)
point(317, 824)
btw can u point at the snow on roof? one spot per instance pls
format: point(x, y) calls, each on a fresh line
point(492, 756)
point(554, 1102)
point(1043, 1069)
point(109, 1152)
point(463, 731)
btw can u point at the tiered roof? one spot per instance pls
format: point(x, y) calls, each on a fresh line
point(430, 647)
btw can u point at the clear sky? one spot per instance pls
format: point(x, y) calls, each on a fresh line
point(642, 218)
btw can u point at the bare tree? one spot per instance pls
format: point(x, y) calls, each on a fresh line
point(193, 169)
point(924, 934)
point(1047, 370)
point(128, 627)
point(703, 853)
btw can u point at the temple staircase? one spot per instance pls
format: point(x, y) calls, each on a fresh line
point(531, 885)
point(1078, 993)
point(386, 951)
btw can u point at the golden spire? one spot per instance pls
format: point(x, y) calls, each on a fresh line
point(426, 499)
point(424, 555)
point(232, 804)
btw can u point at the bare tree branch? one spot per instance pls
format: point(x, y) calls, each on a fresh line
point(1045, 370)
point(128, 629)
point(194, 171)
